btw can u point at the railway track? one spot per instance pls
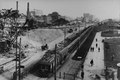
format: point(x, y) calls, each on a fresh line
point(72, 69)
point(71, 36)
point(12, 60)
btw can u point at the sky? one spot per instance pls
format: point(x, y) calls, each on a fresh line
point(102, 9)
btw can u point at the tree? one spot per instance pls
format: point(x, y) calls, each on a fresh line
point(55, 16)
point(60, 21)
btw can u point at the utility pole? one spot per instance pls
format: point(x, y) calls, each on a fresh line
point(28, 15)
point(64, 35)
point(16, 39)
point(17, 73)
point(20, 60)
point(28, 11)
point(55, 61)
point(16, 5)
point(16, 54)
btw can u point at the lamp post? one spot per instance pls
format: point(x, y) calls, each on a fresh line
point(20, 60)
point(55, 61)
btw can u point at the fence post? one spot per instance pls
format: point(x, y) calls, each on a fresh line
point(64, 75)
point(74, 76)
point(59, 74)
point(112, 75)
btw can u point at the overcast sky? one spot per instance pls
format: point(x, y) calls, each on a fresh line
point(103, 9)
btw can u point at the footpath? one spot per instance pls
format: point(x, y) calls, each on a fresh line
point(94, 62)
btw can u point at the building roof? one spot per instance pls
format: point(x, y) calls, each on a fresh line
point(113, 41)
point(48, 58)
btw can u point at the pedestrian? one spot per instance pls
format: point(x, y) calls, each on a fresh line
point(98, 49)
point(82, 75)
point(103, 40)
point(96, 44)
point(82, 66)
point(112, 57)
point(97, 77)
point(113, 76)
point(93, 49)
point(91, 62)
point(96, 40)
point(15, 75)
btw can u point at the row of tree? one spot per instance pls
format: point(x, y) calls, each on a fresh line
point(52, 19)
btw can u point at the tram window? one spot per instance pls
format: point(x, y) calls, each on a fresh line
point(42, 67)
point(45, 67)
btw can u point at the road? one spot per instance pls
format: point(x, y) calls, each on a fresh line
point(98, 60)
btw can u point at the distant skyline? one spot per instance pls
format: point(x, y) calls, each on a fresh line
point(102, 9)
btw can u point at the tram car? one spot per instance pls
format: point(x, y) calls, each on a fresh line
point(64, 49)
point(47, 63)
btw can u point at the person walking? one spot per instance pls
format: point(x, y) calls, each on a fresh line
point(91, 62)
point(82, 75)
point(96, 40)
point(82, 66)
point(98, 49)
point(112, 57)
point(97, 77)
point(91, 49)
point(96, 44)
point(14, 75)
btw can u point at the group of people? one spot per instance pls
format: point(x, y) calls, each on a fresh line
point(82, 67)
point(92, 48)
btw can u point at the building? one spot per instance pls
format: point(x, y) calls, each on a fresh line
point(21, 20)
point(44, 18)
point(88, 17)
point(4, 45)
point(48, 19)
point(112, 52)
point(36, 12)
